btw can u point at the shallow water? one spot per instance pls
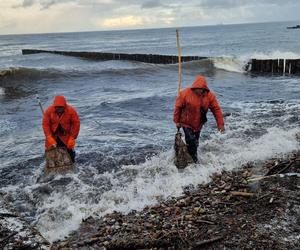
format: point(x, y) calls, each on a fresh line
point(125, 144)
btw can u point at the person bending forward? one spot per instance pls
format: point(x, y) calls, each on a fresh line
point(61, 125)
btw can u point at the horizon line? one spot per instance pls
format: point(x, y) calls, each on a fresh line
point(154, 28)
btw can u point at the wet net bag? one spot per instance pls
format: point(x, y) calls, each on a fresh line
point(58, 160)
point(182, 156)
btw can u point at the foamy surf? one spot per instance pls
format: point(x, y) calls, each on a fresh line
point(232, 64)
point(238, 63)
point(2, 92)
point(136, 186)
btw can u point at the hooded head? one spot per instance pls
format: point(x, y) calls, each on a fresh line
point(59, 101)
point(59, 104)
point(200, 83)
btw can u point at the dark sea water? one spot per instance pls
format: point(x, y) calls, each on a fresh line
point(124, 150)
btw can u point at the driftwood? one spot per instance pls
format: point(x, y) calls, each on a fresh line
point(205, 221)
point(182, 156)
point(285, 168)
point(205, 242)
point(138, 244)
point(243, 194)
point(259, 178)
point(58, 160)
point(279, 168)
point(7, 215)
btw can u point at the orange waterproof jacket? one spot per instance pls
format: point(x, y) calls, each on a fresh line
point(188, 104)
point(69, 122)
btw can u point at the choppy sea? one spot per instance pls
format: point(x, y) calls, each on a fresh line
point(125, 146)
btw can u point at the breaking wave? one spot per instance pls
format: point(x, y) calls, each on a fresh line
point(238, 64)
point(231, 64)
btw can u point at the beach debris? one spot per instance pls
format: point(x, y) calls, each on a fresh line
point(182, 156)
point(259, 178)
point(243, 194)
point(205, 242)
point(227, 213)
point(58, 160)
point(16, 233)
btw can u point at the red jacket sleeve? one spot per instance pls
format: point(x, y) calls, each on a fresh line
point(75, 124)
point(216, 110)
point(47, 123)
point(178, 107)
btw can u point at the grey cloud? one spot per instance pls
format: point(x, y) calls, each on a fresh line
point(45, 4)
point(48, 4)
point(151, 4)
point(146, 4)
point(240, 3)
point(208, 4)
point(27, 3)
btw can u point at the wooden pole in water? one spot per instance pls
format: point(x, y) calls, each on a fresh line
point(40, 104)
point(179, 61)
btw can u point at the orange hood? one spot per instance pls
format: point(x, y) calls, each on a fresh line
point(59, 101)
point(200, 83)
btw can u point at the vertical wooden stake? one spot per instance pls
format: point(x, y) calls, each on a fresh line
point(40, 104)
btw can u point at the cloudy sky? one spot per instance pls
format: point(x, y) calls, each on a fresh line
point(42, 16)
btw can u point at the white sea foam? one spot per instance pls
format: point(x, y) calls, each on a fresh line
point(157, 179)
point(2, 92)
point(61, 215)
point(237, 64)
point(231, 64)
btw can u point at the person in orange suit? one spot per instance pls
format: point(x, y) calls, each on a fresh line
point(61, 125)
point(190, 111)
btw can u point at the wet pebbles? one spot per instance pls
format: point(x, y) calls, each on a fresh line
point(256, 207)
